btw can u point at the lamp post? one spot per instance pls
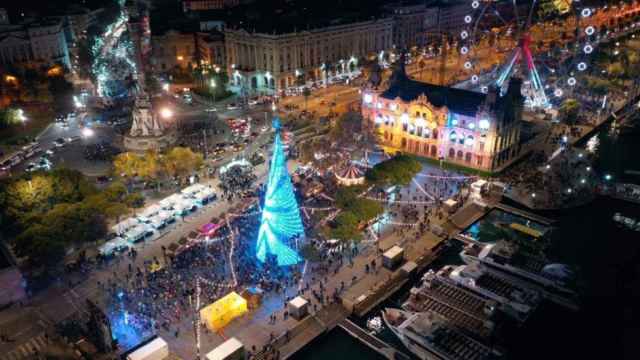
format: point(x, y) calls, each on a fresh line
point(213, 91)
point(22, 118)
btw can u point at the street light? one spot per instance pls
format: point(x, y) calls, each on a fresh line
point(87, 132)
point(213, 91)
point(22, 117)
point(166, 113)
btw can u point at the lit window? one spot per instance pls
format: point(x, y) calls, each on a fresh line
point(484, 124)
point(368, 98)
point(453, 136)
point(469, 141)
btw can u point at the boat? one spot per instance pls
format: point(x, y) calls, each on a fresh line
point(505, 260)
point(627, 222)
point(470, 312)
point(374, 325)
point(514, 299)
point(429, 336)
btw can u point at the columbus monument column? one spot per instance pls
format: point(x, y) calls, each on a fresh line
point(147, 131)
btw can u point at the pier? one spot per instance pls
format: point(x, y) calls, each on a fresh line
point(371, 341)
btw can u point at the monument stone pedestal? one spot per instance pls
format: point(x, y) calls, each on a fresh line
point(144, 143)
point(147, 132)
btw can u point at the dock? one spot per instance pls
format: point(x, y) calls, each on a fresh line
point(537, 218)
point(371, 341)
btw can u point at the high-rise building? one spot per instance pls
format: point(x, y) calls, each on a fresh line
point(281, 222)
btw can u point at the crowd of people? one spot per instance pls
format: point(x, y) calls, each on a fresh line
point(236, 179)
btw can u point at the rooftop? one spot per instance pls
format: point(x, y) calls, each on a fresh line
point(460, 101)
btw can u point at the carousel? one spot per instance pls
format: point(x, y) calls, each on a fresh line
point(350, 176)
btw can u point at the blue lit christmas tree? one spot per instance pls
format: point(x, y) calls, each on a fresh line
point(281, 220)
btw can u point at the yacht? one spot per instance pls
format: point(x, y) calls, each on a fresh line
point(503, 259)
point(514, 299)
point(469, 312)
point(429, 336)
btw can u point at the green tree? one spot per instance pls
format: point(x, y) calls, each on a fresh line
point(10, 117)
point(181, 161)
point(346, 227)
point(150, 165)
point(39, 247)
point(127, 165)
point(399, 170)
point(569, 110)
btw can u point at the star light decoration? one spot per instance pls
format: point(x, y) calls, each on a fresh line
point(281, 221)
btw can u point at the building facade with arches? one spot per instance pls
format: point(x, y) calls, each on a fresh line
point(475, 130)
point(277, 61)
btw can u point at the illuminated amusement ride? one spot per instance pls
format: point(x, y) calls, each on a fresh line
point(497, 25)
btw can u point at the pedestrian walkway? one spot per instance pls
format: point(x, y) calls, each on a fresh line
point(35, 344)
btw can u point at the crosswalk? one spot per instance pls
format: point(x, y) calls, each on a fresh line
point(37, 343)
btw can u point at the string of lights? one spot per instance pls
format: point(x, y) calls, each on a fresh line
point(403, 202)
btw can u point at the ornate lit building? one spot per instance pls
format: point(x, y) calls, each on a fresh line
point(475, 130)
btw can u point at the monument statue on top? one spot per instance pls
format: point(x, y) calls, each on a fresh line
point(147, 131)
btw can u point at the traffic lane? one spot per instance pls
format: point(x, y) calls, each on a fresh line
point(71, 154)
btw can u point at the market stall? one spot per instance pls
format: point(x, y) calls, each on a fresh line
point(220, 313)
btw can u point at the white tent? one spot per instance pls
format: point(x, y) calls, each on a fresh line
point(157, 349)
point(149, 212)
point(204, 196)
point(156, 222)
point(112, 245)
point(136, 234)
point(183, 207)
point(123, 226)
point(232, 349)
point(193, 189)
point(166, 216)
point(170, 201)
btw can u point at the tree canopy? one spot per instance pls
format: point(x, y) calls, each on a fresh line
point(355, 212)
point(44, 213)
point(179, 161)
point(399, 170)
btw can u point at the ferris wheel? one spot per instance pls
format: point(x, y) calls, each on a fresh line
point(499, 42)
point(574, 59)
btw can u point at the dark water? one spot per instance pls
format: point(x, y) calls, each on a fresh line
point(336, 345)
point(607, 258)
point(617, 151)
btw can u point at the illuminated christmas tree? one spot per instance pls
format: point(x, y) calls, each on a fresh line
point(281, 221)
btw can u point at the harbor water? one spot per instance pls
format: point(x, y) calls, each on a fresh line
point(605, 255)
